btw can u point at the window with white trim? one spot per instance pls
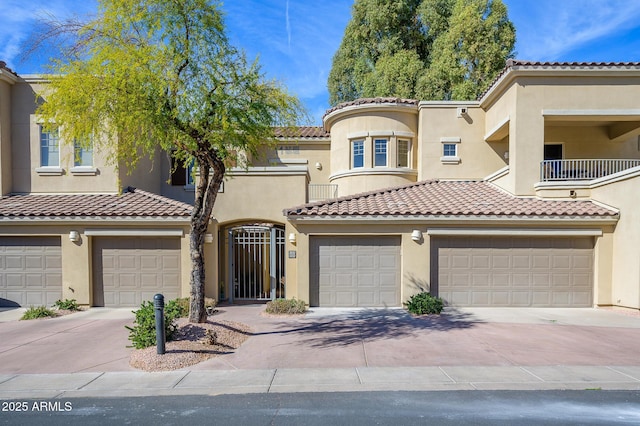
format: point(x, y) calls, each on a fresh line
point(82, 154)
point(404, 153)
point(49, 147)
point(357, 154)
point(449, 150)
point(380, 153)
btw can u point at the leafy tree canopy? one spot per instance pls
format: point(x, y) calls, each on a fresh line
point(421, 49)
point(145, 74)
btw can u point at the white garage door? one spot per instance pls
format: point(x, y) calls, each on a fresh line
point(130, 270)
point(355, 271)
point(515, 271)
point(30, 271)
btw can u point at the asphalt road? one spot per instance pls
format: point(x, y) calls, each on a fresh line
point(589, 407)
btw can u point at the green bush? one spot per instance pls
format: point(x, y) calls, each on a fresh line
point(67, 305)
point(35, 312)
point(424, 303)
point(286, 306)
point(182, 305)
point(143, 333)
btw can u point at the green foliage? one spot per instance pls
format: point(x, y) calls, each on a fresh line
point(421, 49)
point(424, 303)
point(149, 74)
point(67, 305)
point(143, 333)
point(182, 305)
point(286, 306)
point(35, 312)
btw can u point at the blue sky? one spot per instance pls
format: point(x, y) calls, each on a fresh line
point(296, 39)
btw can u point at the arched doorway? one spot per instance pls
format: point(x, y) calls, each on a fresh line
point(255, 262)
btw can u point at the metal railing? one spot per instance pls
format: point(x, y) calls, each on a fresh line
point(319, 192)
point(558, 170)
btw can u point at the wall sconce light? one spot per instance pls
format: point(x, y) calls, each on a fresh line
point(292, 238)
point(208, 238)
point(319, 165)
point(74, 236)
point(416, 235)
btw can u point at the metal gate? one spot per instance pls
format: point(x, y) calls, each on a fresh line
point(256, 262)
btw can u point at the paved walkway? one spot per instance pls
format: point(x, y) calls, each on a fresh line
point(85, 354)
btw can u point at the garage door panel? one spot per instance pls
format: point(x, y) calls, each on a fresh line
point(524, 271)
point(128, 270)
point(31, 271)
point(355, 271)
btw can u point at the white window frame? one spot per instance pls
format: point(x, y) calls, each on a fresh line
point(406, 156)
point(447, 157)
point(49, 136)
point(357, 143)
point(377, 150)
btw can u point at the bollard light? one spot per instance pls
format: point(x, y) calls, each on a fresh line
point(158, 304)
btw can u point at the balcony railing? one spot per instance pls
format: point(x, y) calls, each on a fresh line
point(558, 170)
point(319, 192)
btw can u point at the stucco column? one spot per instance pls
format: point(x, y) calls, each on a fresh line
point(76, 269)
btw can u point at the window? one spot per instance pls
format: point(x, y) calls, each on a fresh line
point(357, 154)
point(82, 155)
point(181, 176)
point(380, 158)
point(449, 150)
point(404, 151)
point(49, 148)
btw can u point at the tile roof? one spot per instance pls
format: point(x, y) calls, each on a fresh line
point(131, 203)
point(512, 63)
point(313, 132)
point(372, 101)
point(447, 198)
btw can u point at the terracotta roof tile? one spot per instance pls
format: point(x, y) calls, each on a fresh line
point(371, 101)
point(132, 203)
point(301, 132)
point(447, 198)
point(512, 63)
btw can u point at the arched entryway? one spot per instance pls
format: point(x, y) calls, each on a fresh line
point(255, 262)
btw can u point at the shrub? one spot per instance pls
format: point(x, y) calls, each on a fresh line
point(67, 305)
point(143, 333)
point(35, 312)
point(182, 305)
point(424, 303)
point(286, 306)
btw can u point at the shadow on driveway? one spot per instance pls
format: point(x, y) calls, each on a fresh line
point(368, 324)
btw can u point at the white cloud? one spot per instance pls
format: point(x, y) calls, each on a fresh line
point(549, 29)
point(19, 21)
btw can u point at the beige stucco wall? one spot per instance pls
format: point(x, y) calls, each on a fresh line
point(261, 197)
point(526, 102)
point(439, 123)
point(5, 137)
point(625, 268)
point(367, 122)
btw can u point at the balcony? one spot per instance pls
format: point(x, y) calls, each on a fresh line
point(320, 192)
point(565, 170)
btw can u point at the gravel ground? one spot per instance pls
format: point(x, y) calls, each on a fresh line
point(193, 343)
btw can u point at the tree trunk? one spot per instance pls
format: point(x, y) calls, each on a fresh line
point(206, 193)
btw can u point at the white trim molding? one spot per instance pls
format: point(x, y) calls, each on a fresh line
point(515, 232)
point(134, 232)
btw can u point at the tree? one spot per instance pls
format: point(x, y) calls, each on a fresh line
point(422, 49)
point(161, 73)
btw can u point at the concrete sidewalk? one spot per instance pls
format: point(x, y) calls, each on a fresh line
point(329, 350)
point(118, 384)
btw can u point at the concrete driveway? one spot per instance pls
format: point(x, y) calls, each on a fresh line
point(96, 340)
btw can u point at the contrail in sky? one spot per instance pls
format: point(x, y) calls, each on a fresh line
point(288, 25)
